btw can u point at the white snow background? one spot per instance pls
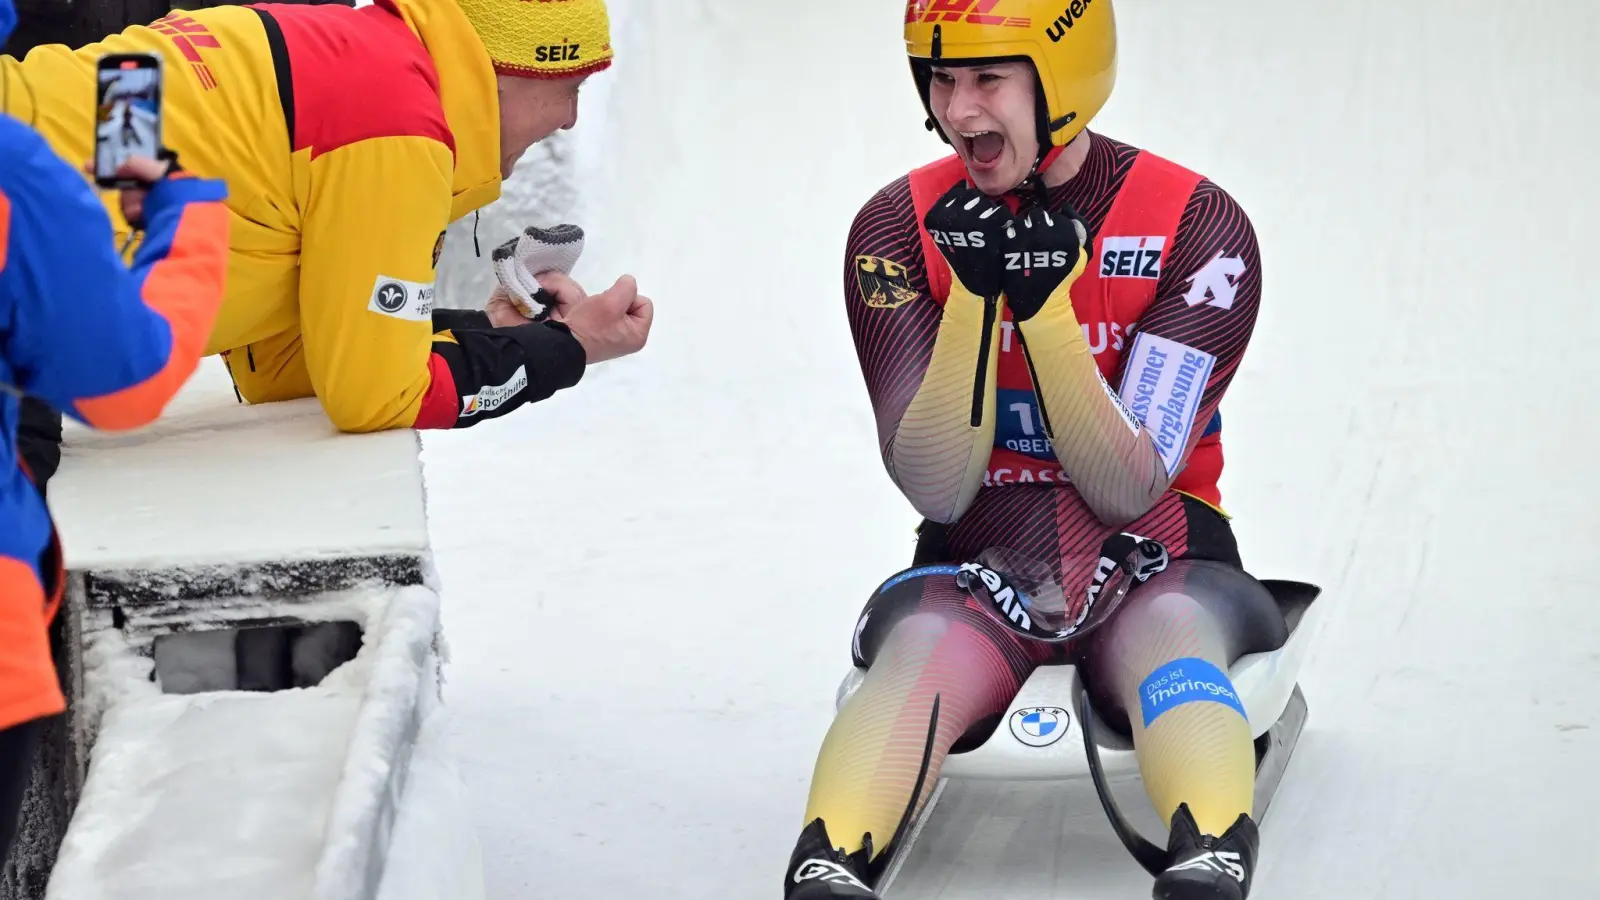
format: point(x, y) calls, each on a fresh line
point(650, 580)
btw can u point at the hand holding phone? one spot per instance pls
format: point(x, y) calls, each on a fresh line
point(128, 89)
point(144, 172)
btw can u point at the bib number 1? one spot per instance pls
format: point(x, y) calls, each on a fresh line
point(1020, 427)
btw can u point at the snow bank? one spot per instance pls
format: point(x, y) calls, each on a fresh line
point(379, 754)
point(207, 795)
point(229, 545)
point(433, 849)
point(288, 794)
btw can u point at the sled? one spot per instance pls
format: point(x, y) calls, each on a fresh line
point(1027, 806)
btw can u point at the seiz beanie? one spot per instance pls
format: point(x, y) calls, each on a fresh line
point(542, 38)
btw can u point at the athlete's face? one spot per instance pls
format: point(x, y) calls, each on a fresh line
point(989, 115)
point(532, 109)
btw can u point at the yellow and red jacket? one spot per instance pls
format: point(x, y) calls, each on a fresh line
point(349, 139)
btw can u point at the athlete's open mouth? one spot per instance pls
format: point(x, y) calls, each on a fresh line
point(984, 146)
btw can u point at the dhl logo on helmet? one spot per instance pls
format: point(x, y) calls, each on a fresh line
point(981, 12)
point(975, 12)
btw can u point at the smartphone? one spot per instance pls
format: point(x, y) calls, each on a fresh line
point(127, 114)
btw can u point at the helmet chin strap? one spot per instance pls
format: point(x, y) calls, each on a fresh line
point(1046, 160)
point(1048, 151)
point(1033, 182)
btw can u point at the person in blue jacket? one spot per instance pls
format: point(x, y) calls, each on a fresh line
point(103, 341)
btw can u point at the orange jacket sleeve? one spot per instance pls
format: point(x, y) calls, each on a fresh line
point(104, 342)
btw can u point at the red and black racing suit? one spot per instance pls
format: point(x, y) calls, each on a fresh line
point(1109, 422)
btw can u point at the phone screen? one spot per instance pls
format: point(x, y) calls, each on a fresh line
point(127, 114)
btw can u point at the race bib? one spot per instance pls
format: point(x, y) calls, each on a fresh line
point(1019, 427)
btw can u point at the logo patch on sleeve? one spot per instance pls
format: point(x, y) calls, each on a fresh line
point(401, 299)
point(1127, 414)
point(492, 397)
point(1164, 384)
point(884, 283)
point(1216, 283)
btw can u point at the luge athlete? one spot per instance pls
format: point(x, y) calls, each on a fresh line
point(996, 296)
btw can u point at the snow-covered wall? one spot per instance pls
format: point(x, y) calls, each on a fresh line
point(278, 795)
point(219, 524)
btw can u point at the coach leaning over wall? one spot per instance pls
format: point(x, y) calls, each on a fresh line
point(349, 139)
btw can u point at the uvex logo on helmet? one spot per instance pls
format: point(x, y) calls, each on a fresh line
point(1068, 18)
point(975, 12)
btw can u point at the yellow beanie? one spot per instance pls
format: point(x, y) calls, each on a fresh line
point(542, 38)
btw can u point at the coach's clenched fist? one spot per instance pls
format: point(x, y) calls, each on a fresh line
point(612, 323)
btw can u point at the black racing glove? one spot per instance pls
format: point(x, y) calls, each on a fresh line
point(967, 226)
point(1042, 251)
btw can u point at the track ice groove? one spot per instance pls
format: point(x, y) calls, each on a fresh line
point(650, 582)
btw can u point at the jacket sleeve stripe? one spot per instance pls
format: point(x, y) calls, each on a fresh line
point(5, 228)
point(440, 405)
point(181, 267)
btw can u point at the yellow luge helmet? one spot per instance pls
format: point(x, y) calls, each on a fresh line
point(542, 38)
point(1071, 43)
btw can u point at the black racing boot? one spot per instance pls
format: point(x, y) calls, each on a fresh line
point(1202, 867)
point(819, 871)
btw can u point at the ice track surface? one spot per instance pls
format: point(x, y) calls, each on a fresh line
point(651, 580)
